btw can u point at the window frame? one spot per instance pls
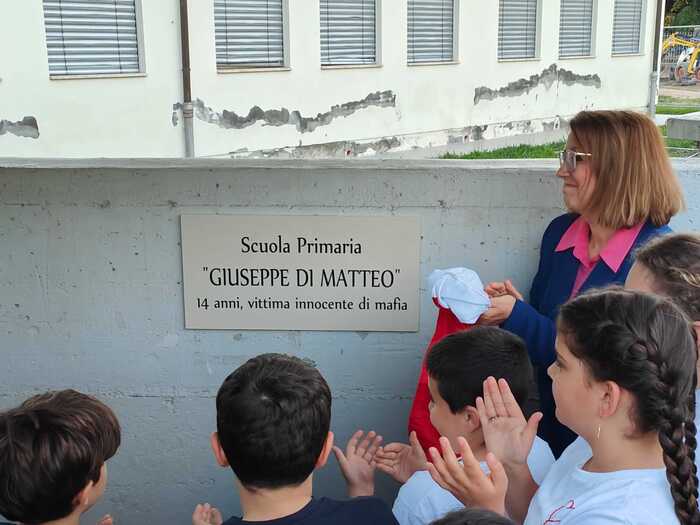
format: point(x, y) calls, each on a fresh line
point(538, 37)
point(594, 33)
point(642, 32)
point(377, 42)
point(455, 40)
point(240, 68)
point(140, 47)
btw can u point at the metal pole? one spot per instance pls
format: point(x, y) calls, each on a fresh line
point(656, 57)
point(187, 108)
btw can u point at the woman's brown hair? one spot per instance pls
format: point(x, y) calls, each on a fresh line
point(635, 181)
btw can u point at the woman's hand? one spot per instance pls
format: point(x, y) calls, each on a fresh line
point(500, 310)
point(506, 432)
point(467, 482)
point(400, 460)
point(500, 288)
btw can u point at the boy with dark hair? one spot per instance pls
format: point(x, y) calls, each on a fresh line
point(53, 450)
point(457, 367)
point(273, 430)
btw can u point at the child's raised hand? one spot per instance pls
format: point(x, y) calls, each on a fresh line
point(106, 520)
point(506, 432)
point(400, 461)
point(468, 482)
point(358, 462)
point(205, 514)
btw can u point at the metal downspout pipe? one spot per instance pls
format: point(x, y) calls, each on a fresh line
point(187, 108)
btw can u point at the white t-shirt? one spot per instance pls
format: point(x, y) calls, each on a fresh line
point(570, 495)
point(421, 500)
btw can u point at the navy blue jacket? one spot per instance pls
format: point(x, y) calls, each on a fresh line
point(535, 322)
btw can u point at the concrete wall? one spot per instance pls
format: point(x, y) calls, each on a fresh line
point(91, 296)
point(479, 97)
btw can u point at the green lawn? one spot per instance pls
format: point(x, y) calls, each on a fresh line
point(550, 151)
point(544, 151)
point(676, 110)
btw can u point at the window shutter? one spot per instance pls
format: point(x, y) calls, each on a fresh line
point(348, 32)
point(91, 37)
point(627, 26)
point(575, 28)
point(431, 31)
point(249, 33)
point(517, 29)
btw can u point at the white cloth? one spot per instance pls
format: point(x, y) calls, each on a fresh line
point(460, 290)
point(421, 500)
point(570, 495)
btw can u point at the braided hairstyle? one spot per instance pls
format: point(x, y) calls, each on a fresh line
point(644, 343)
point(674, 263)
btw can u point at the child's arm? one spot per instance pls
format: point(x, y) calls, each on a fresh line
point(400, 461)
point(358, 463)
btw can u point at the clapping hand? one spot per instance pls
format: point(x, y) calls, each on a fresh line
point(468, 482)
point(358, 462)
point(106, 520)
point(205, 514)
point(400, 460)
point(506, 432)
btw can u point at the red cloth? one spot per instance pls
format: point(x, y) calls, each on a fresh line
point(419, 418)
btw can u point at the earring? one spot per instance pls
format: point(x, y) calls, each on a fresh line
point(597, 435)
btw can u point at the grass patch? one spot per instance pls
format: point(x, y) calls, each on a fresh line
point(543, 151)
point(665, 99)
point(675, 148)
point(676, 110)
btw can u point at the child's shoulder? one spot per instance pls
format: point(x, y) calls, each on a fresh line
point(366, 509)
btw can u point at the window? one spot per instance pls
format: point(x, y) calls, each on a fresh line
point(249, 33)
point(517, 29)
point(348, 32)
point(431, 34)
point(575, 28)
point(91, 37)
point(627, 27)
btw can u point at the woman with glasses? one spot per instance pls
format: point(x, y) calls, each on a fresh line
point(620, 191)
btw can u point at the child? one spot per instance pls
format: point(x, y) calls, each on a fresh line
point(623, 380)
point(457, 367)
point(53, 453)
point(273, 417)
point(670, 266)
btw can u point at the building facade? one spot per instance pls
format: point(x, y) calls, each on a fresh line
point(103, 78)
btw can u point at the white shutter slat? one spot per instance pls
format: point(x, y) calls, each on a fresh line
point(575, 28)
point(627, 27)
point(430, 31)
point(517, 29)
point(348, 32)
point(249, 33)
point(91, 37)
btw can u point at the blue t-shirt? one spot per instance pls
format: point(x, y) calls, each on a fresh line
point(322, 511)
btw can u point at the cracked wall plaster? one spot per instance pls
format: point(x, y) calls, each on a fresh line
point(281, 117)
point(547, 78)
point(27, 127)
point(341, 148)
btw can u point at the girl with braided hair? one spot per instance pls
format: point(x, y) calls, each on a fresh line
point(670, 266)
point(624, 381)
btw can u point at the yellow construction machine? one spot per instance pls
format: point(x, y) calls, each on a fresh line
point(686, 66)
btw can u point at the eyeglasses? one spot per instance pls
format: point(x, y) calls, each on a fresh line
point(568, 158)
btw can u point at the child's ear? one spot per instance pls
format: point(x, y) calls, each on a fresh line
point(610, 399)
point(325, 451)
point(471, 415)
point(219, 453)
point(81, 502)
